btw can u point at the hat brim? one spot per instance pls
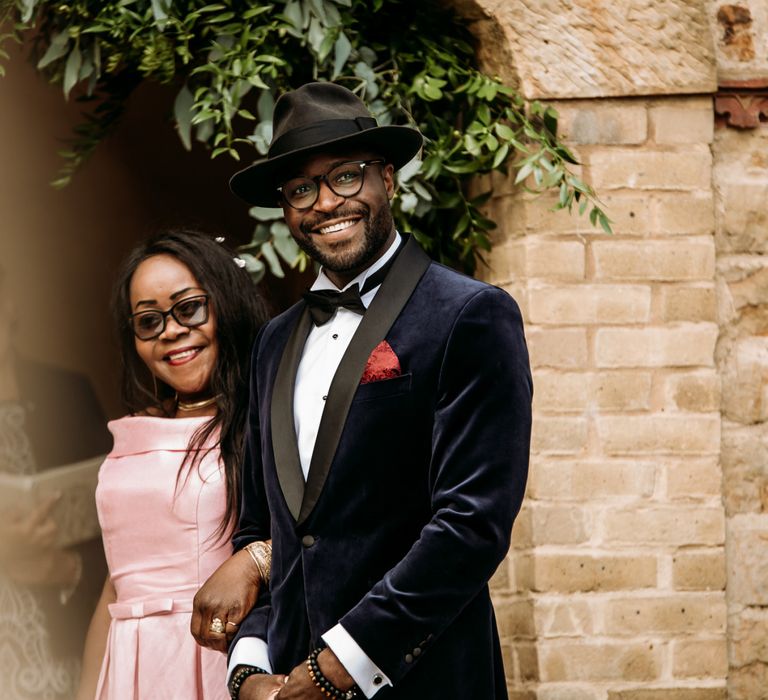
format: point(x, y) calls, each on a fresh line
point(257, 184)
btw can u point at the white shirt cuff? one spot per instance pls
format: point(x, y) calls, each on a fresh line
point(249, 651)
point(368, 676)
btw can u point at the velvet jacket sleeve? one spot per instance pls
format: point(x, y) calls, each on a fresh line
point(254, 523)
point(477, 475)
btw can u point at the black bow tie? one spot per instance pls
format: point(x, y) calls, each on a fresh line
point(323, 303)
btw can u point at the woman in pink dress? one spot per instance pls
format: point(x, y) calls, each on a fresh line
point(168, 492)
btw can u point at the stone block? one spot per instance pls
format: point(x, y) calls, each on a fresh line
point(572, 573)
point(591, 479)
point(665, 525)
point(745, 477)
point(689, 303)
point(747, 636)
point(688, 259)
point(594, 662)
point(702, 570)
point(561, 392)
point(694, 479)
point(685, 345)
point(751, 289)
point(596, 49)
point(609, 122)
point(522, 530)
point(748, 682)
point(560, 524)
point(630, 213)
point(604, 304)
point(745, 380)
point(682, 121)
point(564, 618)
point(700, 658)
point(659, 434)
point(645, 169)
point(687, 213)
point(697, 392)
point(628, 390)
point(557, 260)
point(515, 618)
point(559, 435)
point(674, 693)
point(566, 691)
point(745, 218)
point(747, 557)
point(564, 348)
point(506, 263)
point(674, 614)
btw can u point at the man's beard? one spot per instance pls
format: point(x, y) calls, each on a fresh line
point(375, 234)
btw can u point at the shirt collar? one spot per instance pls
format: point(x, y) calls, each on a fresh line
point(324, 282)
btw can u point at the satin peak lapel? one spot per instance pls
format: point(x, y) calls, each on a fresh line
point(284, 444)
point(407, 270)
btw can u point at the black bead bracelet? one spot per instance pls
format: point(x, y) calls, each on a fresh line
point(326, 687)
point(238, 678)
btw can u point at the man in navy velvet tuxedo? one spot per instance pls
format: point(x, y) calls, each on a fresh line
point(389, 435)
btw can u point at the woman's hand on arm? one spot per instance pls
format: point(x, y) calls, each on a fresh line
point(229, 594)
point(96, 643)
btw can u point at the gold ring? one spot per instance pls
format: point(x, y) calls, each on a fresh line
point(217, 626)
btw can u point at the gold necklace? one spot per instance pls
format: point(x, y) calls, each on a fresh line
point(195, 405)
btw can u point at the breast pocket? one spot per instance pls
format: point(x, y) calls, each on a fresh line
point(386, 388)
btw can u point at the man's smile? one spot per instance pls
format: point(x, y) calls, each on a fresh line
point(338, 226)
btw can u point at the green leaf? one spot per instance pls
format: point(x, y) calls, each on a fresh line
point(272, 260)
point(27, 9)
point(285, 245)
point(160, 10)
point(604, 222)
point(72, 70)
point(183, 110)
point(56, 49)
point(341, 52)
point(265, 213)
point(523, 173)
point(504, 132)
point(500, 156)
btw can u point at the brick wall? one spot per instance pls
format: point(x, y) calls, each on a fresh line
point(614, 589)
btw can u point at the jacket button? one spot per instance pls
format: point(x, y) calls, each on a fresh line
point(417, 651)
point(409, 658)
point(307, 540)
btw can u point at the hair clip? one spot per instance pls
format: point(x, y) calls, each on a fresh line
point(239, 262)
point(220, 239)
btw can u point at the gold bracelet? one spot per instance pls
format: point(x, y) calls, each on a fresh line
point(261, 553)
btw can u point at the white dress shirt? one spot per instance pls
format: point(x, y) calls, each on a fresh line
point(323, 351)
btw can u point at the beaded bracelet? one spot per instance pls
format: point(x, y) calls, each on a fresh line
point(238, 678)
point(326, 687)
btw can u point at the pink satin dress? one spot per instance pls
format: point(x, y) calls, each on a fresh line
point(159, 537)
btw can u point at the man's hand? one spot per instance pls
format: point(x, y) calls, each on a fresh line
point(228, 595)
point(300, 686)
point(261, 686)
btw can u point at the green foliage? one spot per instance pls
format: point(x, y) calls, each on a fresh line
point(229, 60)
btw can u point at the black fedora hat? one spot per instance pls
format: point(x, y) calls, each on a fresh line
point(316, 117)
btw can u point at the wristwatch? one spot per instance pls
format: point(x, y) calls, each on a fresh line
point(238, 677)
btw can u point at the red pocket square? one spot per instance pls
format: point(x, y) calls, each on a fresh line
point(382, 364)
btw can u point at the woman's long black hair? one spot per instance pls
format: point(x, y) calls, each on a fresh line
point(240, 312)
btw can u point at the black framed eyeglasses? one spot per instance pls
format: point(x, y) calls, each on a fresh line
point(189, 312)
point(344, 180)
